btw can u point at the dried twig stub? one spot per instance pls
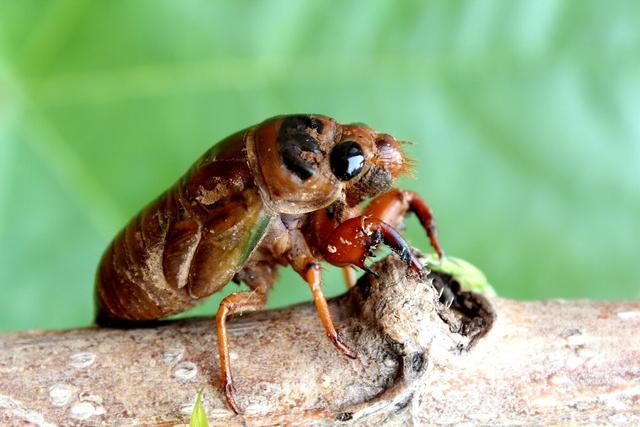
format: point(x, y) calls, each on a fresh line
point(484, 361)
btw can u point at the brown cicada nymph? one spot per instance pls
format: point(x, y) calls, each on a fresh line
point(284, 192)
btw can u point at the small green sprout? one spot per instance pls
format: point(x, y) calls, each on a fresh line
point(469, 276)
point(198, 416)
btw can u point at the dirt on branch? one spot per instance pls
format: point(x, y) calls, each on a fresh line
point(482, 362)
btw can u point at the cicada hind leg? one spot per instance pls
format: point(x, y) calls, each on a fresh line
point(260, 281)
point(235, 303)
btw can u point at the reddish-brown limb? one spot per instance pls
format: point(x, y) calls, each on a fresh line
point(313, 277)
point(322, 224)
point(237, 302)
point(355, 239)
point(392, 206)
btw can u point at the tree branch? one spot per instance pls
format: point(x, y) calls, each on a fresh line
point(485, 361)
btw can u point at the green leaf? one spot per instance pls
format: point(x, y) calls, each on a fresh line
point(198, 416)
point(468, 275)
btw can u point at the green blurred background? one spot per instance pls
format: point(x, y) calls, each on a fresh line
point(525, 117)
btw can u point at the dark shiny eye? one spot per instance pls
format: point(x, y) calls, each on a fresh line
point(347, 160)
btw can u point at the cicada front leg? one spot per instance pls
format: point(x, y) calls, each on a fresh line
point(353, 241)
point(392, 206)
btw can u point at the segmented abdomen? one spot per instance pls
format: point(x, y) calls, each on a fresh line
point(187, 244)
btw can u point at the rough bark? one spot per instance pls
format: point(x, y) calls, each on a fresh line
point(482, 362)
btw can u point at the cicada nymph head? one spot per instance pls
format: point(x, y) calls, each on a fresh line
point(304, 163)
point(366, 162)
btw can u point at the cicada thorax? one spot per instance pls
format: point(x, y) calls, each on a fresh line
point(288, 156)
point(188, 243)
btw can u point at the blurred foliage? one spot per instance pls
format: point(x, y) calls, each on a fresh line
point(525, 117)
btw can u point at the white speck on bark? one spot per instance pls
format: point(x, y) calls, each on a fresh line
point(173, 353)
point(91, 398)
point(627, 315)
point(15, 410)
point(59, 394)
point(257, 409)
point(577, 339)
point(186, 371)
point(574, 362)
point(82, 360)
point(560, 379)
point(619, 419)
point(82, 411)
point(187, 408)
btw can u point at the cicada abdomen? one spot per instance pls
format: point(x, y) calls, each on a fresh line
point(188, 243)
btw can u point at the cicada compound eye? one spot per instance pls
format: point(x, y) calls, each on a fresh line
point(347, 160)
